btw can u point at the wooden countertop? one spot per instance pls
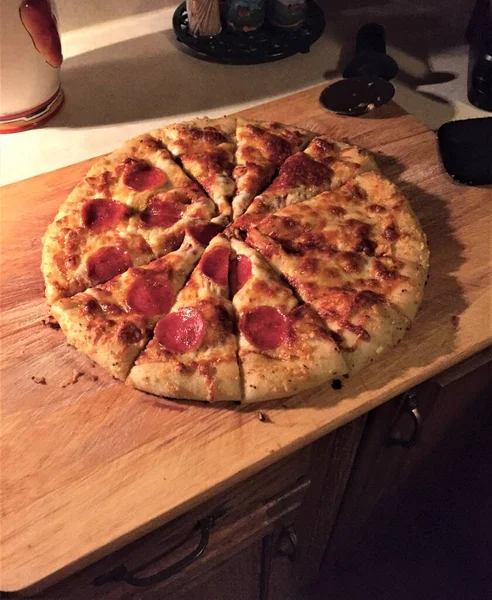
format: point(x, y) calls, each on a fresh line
point(90, 466)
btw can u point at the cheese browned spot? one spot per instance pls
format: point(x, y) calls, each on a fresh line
point(129, 333)
point(300, 169)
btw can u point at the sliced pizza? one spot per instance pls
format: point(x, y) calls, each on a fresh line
point(284, 347)
point(368, 214)
point(325, 164)
point(113, 220)
point(113, 322)
point(205, 148)
point(262, 147)
point(367, 302)
point(193, 354)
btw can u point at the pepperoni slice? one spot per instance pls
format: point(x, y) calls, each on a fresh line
point(140, 176)
point(101, 215)
point(204, 233)
point(265, 327)
point(215, 265)
point(181, 331)
point(241, 271)
point(107, 262)
point(161, 212)
point(150, 295)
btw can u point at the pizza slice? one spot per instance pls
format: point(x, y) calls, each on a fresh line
point(193, 354)
point(205, 148)
point(368, 214)
point(262, 147)
point(325, 164)
point(368, 303)
point(104, 228)
point(112, 322)
point(284, 347)
point(140, 168)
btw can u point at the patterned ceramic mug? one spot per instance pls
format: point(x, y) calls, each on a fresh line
point(30, 59)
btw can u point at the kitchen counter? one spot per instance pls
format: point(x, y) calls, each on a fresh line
point(126, 76)
point(89, 467)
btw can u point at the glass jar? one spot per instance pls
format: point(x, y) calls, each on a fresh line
point(245, 15)
point(287, 14)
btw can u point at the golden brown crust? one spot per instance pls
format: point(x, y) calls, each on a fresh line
point(211, 381)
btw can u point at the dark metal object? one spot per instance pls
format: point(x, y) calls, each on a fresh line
point(267, 44)
point(410, 408)
point(466, 150)
point(122, 573)
point(357, 95)
point(366, 85)
point(479, 35)
point(288, 543)
point(370, 58)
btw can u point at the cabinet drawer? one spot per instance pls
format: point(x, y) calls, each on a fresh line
point(215, 530)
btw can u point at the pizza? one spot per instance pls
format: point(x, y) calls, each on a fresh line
point(325, 164)
point(284, 347)
point(131, 208)
point(193, 352)
point(111, 322)
point(262, 147)
point(230, 259)
point(206, 148)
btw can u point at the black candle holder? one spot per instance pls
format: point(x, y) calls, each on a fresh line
point(264, 45)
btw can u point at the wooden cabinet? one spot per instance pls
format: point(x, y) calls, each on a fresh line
point(274, 532)
point(226, 543)
point(399, 437)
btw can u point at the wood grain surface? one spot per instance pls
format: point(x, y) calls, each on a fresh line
point(87, 467)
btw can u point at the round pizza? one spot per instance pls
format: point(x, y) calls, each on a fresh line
point(232, 259)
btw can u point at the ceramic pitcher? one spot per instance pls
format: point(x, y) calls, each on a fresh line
point(30, 59)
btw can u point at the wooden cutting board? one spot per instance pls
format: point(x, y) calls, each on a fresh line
point(88, 466)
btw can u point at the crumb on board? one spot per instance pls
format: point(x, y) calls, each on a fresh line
point(263, 417)
point(94, 377)
point(76, 375)
point(455, 320)
point(336, 384)
point(39, 380)
point(50, 322)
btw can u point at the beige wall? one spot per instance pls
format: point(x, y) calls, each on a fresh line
point(73, 14)
point(454, 14)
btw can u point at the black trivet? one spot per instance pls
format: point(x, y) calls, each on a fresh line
point(264, 45)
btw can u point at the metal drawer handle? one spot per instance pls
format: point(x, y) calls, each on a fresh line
point(122, 573)
point(410, 408)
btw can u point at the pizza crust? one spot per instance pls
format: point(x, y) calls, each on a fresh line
point(172, 379)
point(103, 344)
point(267, 378)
